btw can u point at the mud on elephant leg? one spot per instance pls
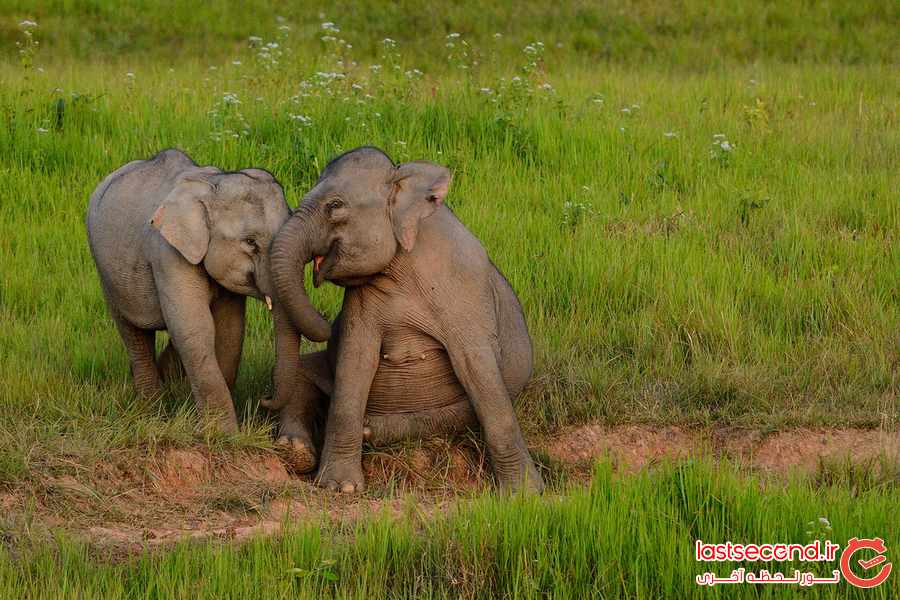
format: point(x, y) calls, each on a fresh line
point(140, 345)
point(381, 430)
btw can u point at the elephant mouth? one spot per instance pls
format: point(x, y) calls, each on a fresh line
point(322, 264)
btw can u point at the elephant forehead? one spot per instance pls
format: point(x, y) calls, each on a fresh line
point(252, 213)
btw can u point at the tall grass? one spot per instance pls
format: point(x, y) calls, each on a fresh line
point(621, 537)
point(691, 245)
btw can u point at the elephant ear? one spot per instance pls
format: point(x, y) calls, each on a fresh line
point(182, 218)
point(418, 188)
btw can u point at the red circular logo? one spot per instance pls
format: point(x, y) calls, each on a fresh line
point(853, 545)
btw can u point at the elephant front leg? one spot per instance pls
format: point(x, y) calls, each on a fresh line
point(228, 319)
point(193, 332)
point(297, 417)
point(477, 369)
point(357, 361)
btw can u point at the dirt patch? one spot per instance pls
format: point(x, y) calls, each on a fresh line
point(636, 446)
point(630, 447)
point(805, 450)
point(137, 502)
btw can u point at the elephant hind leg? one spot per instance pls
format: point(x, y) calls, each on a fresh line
point(169, 364)
point(140, 345)
point(380, 430)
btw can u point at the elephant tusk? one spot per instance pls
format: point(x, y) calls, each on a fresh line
point(269, 303)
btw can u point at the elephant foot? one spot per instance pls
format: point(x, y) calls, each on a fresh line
point(341, 476)
point(299, 454)
point(222, 423)
point(519, 475)
point(295, 445)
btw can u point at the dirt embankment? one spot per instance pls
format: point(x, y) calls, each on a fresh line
point(180, 494)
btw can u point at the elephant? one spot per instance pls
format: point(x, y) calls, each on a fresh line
point(178, 247)
point(431, 337)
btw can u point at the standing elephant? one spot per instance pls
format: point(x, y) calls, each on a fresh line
point(430, 338)
point(178, 247)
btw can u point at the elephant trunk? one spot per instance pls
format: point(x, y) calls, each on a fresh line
point(292, 248)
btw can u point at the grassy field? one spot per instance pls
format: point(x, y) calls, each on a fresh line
point(697, 205)
point(586, 544)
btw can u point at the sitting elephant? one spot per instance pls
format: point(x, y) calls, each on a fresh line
point(178, 247)
point(430, 337)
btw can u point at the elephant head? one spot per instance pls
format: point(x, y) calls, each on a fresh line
point(363, 210)
point(227, 221)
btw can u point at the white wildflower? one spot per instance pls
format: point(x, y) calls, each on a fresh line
point(28, 24)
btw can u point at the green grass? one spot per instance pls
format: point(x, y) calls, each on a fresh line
point(587, 543)
point(665, 278)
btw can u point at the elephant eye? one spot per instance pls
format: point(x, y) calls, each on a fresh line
point(250, 241)
point(334, 204)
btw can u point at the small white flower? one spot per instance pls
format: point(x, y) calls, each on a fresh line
point(487, 91)
point(670, 134)
point(129, 75)
point(498, 35)
point(547, 87)
point(400, 143)
point(236, 63)
point(825, 522)
point(452, 36)
point(284, 27)
point(42, 130)
point(718, 136)
point(622, 129)
point(626, 110)
point(254, 39)
point(28, 24)
point(726, 146)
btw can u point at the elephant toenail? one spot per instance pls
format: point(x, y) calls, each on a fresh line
point(347, 488)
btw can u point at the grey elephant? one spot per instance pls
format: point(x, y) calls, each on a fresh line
point(430, 337)
point(179, 247)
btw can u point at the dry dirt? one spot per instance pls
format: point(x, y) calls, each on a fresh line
point(134, 502)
